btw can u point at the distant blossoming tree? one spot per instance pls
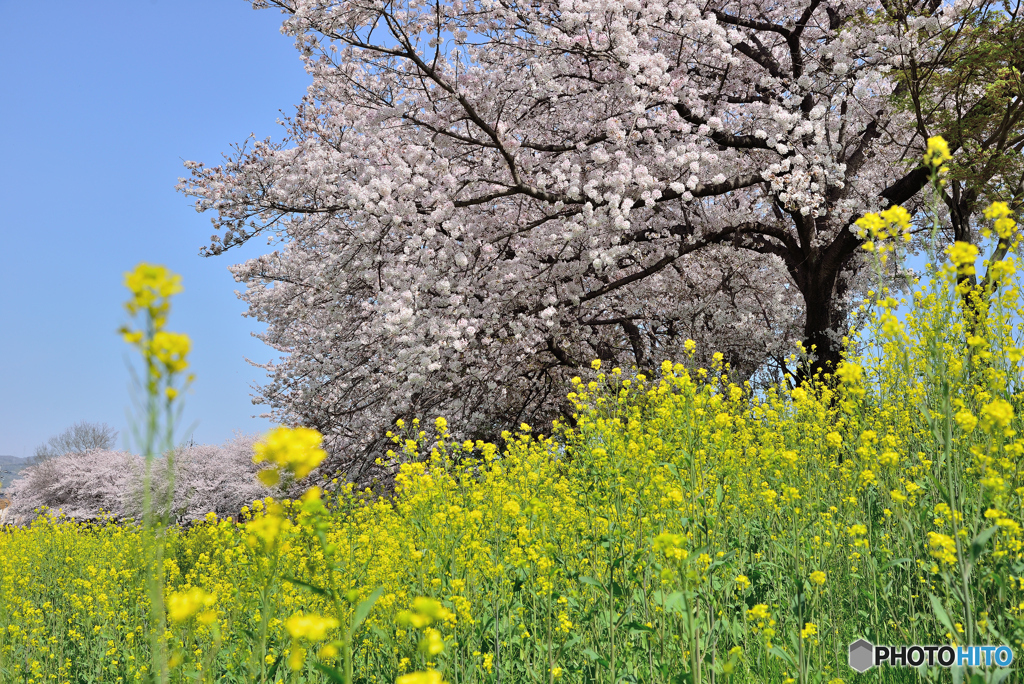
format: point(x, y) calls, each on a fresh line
point(478, 197)
point(85, 485)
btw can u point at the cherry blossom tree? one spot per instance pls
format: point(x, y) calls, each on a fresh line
point(85, 485)
point(478, 197)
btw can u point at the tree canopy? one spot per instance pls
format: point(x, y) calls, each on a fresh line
point(477, 198)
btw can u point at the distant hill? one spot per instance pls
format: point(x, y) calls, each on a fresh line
point(11, 467)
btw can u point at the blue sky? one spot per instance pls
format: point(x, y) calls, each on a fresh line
point(100, 102)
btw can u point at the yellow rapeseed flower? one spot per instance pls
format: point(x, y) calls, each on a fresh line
point(937, 152)
point(1000, 214)
point(997, 414)
point(942, 547)
point(170, 349)
point(183, 605)
point(965, 420)
point(758, 612)
point(266, 527)
point(431, 608)
point(427, 677)
point(963, 255)
point(311, 627)
point(432, 643)
point(852, 376)
point(297, 450)
point(150, 285)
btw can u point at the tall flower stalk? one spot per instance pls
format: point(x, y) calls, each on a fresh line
point(164, 356)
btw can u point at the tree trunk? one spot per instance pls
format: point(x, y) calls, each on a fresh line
point(823, 327)
point(823, 278)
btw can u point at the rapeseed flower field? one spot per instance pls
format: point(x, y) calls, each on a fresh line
point(680, 528)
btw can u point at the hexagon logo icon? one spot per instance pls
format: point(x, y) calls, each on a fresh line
point(861, 655)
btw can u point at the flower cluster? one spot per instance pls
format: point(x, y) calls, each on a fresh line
point(937, 152)
point(672, 507)
point(165, 353)
point(295, 451)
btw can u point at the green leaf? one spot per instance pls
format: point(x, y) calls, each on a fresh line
point(596, 657)
point(719, 494)
point(941, 614)
point(334, 675)
point(779, 653)
point(591, 581)
point(676, 603)
point(364, 608)
point(1000, 675)
point(979, 543)
point(320, 591)
point(638, 627)
point(382, 635)
point(892, 564)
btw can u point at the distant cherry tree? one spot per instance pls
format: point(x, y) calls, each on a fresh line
point(87, 484)
point(478, 197)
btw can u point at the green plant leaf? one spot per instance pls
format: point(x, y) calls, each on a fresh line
point(779, 653)
point(1000, 675)
point(894, 563)
point(596, 657)
point(979, 543)
point(364, 608)
point(941, 614)
point(320, 591)
point(334, 675)
point(635, 626)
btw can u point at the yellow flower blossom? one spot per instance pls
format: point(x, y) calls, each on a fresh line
point(942, 547)
point(151, 285)
point(311, 627)
point(996, 414)
point(937, 152)
point(427, 677)
point(963, 256)
point(296, 450)
point(183, 605)
point(758, 612)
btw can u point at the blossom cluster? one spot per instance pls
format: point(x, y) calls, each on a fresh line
point(485, 214)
